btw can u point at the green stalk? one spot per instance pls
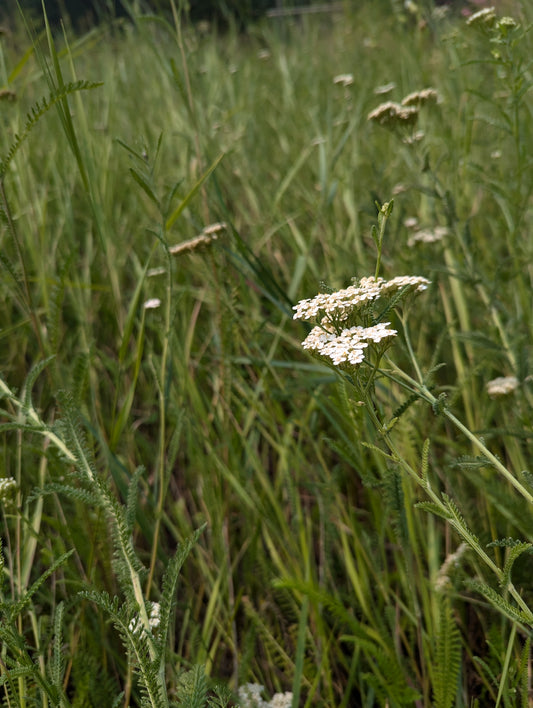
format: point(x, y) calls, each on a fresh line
point(434, 497)
point(162, 430)
point(427, 396)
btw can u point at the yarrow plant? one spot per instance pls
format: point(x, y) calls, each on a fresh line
point(502, 386)
point(350, 330)
point(350, 326)
point(401, 118)
point(250, 696)
point(8, 485)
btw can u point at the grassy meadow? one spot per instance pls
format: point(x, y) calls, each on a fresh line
point(191, 501)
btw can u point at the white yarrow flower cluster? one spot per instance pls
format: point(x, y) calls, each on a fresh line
point(502, 386)
point(7, 486)
point(154, 619)
point(135, 626)
point(427, 235)
point(344, 79)
point(209, 234)
point(348, 346)
point(420, 98)
point(343, 344)
point(338, 305)
point(391, 114)
point(250, 697)
point(486, 16)
point(152, 304)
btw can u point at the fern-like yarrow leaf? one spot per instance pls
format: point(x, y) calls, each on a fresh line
point(447, 663)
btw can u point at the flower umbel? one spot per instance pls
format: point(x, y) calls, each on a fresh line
point(393, 115)
point(8, 486)
point(502, 386)
point(420, 98)
point(250, 697)
point(345, 325)
point(482, 18)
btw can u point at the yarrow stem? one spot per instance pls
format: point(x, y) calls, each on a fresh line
point(427, 396)
point(346, 329)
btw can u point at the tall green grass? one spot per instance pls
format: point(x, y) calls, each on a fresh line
point(352, 554)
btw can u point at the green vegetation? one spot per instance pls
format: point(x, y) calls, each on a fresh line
point(190, 501)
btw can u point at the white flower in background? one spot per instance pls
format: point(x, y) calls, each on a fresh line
point(215, 228)
point(281, 700)
point(344, 79)
point(391, 115)
point(413, 282)
point(154, 618)
point(250, 697)
point(502, 386)
point(483, 17)
point(399, 189)
point(385, 88)
point(136, 626)
point(7, 486)
point(414, 138)
point(507, 23)
point(420, 98)
point(152, 304)
point(428, 235)
point(208, 235)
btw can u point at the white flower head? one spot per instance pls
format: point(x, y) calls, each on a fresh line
point(415, 137)
point(250, 696)
point(281, 700)
point(427, 235)
point(421, 98)
point(8, 485)
point(502, 386)
point(507, 23)
point(136, 626)
point(153, 272)
point(343, 79)
point(340, 303)
point(208, 235)
point(384, 88)
point(215, 228)
point(484, 17)
point(332, 338)
point(393, 115)
point(154, 618)
point(152, 304)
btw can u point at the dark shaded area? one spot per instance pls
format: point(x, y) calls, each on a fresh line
point(83, 14)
